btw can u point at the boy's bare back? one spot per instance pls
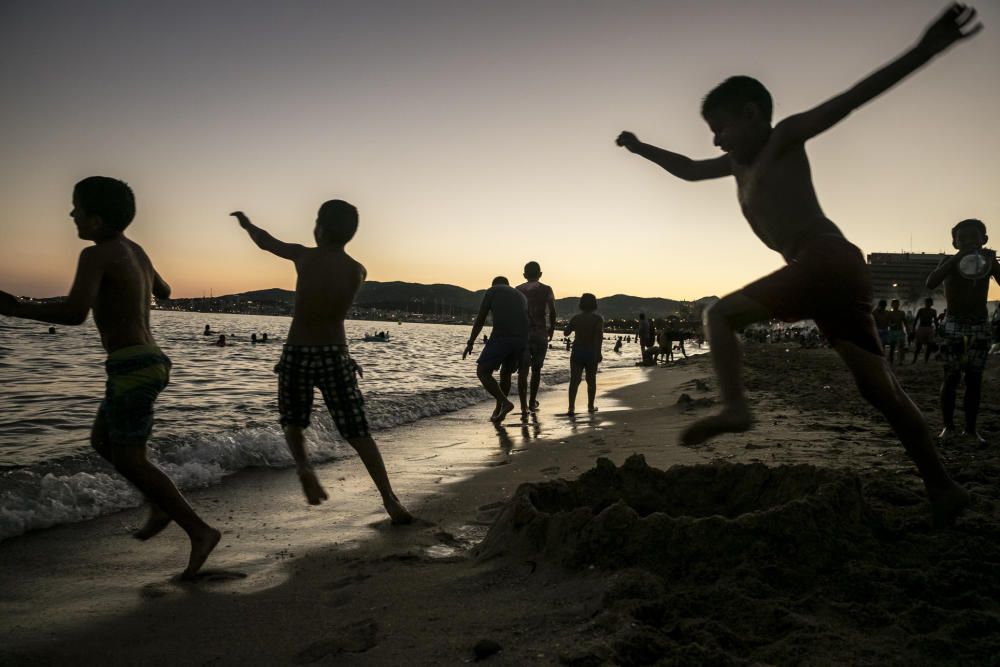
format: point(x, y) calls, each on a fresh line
point(328, 279)
point(124, 286)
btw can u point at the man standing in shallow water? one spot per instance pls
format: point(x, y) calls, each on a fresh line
point(965, 343)
point(315, 353)
point(542, 320)
point(115, 278)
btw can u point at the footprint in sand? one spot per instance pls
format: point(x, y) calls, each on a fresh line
point(344, 582)
point(354, 638)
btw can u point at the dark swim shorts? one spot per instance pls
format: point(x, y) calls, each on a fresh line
point(827, 282)
point(136, 376)
point(504, 352)
point(585, 356)
point(965, 345)
point(329, 367)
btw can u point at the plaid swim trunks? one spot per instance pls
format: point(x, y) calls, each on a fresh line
point(136, 376)
point(329, 367)
point(965, 345)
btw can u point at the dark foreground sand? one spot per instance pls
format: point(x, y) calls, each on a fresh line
point(805, 541)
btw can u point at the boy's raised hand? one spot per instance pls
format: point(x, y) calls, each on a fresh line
point(241, 217)
point(952, 26)
point(627, 140)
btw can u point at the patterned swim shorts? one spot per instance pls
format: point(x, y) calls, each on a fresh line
point(329, 367)
point(965, 345)
point(136, 376)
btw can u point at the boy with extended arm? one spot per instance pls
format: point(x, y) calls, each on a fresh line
point(115, 279)
point(316, 354)
point(826, 278)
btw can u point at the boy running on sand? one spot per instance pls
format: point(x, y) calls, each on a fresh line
point(115, 278)
point(315, 353)
point(826, 278)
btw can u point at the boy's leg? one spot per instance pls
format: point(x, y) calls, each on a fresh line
point(368, 452)
point(100, 440)
point(879, 386)
point(949, 390)
point(313, 490)
point(591, 375)
point(132, 463)
point(575, 373)
point(973, 395)
point(522, 384)
point(722, 320)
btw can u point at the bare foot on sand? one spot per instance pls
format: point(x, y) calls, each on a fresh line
point(947, 434)
point(592, 408)
point(201, 546)
point(730, 420)
point(534, 406)
point(398, 513)
point(975, 437)
point(157, 521)
point(505, 409)
point(946, 506)
point(315, 494)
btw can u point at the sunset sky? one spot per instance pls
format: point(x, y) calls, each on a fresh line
point(472, 136)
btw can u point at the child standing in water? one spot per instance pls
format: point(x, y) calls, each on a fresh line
point(826, 278)
point(315, 353)
point(586, 354)
point(116, 279)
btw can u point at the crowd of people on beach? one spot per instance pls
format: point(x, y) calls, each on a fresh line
point(826, 280)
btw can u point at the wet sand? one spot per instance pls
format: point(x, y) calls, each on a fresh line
point(823, 556)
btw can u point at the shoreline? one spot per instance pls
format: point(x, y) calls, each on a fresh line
point(292, 584)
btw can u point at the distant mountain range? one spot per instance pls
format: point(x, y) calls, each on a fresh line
point(458, 301)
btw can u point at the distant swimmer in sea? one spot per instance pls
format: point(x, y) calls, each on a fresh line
point(586, 355)
point(52, 330)
point(221, 342)
point(826, 278)
point(506, 346)
point(208, 331)
point(315, 353)
point(618, 345)
point(253, 339)
point(263, 337)
point(542, 318)
point(965, 341)
point(116, 280)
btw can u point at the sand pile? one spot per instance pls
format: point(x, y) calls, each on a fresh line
point(741, 564)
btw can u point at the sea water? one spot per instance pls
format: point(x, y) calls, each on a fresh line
point(219, 414)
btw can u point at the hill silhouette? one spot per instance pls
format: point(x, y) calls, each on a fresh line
point(458, 301)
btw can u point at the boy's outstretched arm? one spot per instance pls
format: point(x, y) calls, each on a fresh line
point(74, 309)
point(267, 242)
point(952, 26)
point(679, 165)
point(161, 289)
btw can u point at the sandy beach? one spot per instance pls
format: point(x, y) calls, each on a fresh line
point(804, 541)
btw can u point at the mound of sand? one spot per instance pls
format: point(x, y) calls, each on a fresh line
point(737, 564)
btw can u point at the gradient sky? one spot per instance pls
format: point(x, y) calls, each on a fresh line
point(472, 136)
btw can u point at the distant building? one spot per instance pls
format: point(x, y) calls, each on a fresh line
point(901, 275)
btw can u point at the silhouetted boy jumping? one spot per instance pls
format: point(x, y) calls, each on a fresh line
point(826, 278)
point(315, 353)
